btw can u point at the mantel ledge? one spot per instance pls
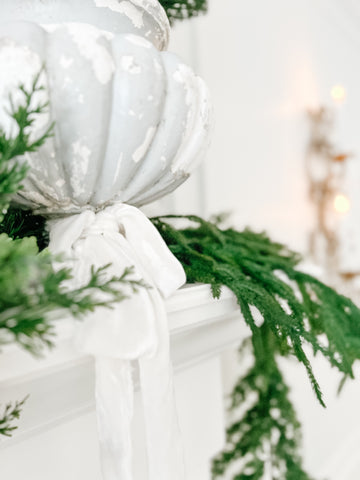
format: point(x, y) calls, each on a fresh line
point(201, 327)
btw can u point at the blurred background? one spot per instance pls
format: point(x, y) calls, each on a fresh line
point(267, 65)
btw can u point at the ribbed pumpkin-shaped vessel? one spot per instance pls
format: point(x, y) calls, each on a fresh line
point(141, 17)
point(130, 122)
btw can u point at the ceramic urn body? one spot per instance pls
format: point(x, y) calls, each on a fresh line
point(130, 122)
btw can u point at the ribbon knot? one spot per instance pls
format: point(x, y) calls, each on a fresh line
point(103, 222)
point(135, 330)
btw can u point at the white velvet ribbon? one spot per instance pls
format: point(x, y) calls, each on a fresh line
point(135, 329)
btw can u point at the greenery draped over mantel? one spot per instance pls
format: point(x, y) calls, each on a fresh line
point(286, 309)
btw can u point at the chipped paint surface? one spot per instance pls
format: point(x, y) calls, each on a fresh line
point(81, 155)
point(125, 7)
point(153, 8)
point(139, 41)
point(143, 148)
point(118, 168)
point(22, 64)
point(146, 3)
point(130, 65)
point(186, 77)
point(66, 62)
point(66, 187)
point(86, 37)
point(79, 166)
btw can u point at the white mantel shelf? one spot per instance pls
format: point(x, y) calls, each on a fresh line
point(61, 385)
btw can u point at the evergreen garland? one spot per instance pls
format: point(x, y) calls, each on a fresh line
point(23, 223)
point(32, 293)
point(296, 309)
point(266, 437)
point(183, 9)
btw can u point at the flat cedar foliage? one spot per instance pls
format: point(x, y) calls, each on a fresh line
point(183, 9)
point(295, 309)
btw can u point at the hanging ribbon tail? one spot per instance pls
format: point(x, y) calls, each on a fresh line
point(164, 445)
point(135, 329)
point(114, 396)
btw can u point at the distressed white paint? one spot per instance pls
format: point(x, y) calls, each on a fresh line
point(184, 75)
point(66, 62)
point(22, 64)
point(129, 64)
point(96, 124)
point(139, 41)
point(142, 149)
point(118, 168)
point(81, 155)
point(125, 7)
point(141, 17)
point(86, 38)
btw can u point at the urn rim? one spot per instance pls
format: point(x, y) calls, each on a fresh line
point(146, 18)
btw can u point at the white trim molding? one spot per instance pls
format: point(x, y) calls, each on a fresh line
point(61, 385)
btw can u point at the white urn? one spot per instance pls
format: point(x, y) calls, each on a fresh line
point(130, 122)
point(146, 18)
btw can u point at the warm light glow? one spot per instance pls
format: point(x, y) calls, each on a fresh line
point(338, 93)
point(341, 203)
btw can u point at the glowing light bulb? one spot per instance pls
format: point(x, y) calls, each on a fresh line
point(338, 93)
point(341, 203)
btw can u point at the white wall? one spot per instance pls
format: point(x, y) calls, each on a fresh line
point(266, 63)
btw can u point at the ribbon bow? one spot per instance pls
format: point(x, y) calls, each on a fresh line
point(135, 330)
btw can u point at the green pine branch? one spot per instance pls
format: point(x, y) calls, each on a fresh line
point(183, 9)
point(11, 412)
point(33, 295)
point(12, 147)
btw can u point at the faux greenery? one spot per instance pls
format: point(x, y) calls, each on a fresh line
point(32, 292)
point(183, 9)
point(285, 309)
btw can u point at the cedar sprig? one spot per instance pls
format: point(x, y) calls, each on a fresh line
point(13, 146)
point(35, 297)
point(264, 442)
point(183, 9)
point(10, 413)
point(19, 223)
point(297, 308)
